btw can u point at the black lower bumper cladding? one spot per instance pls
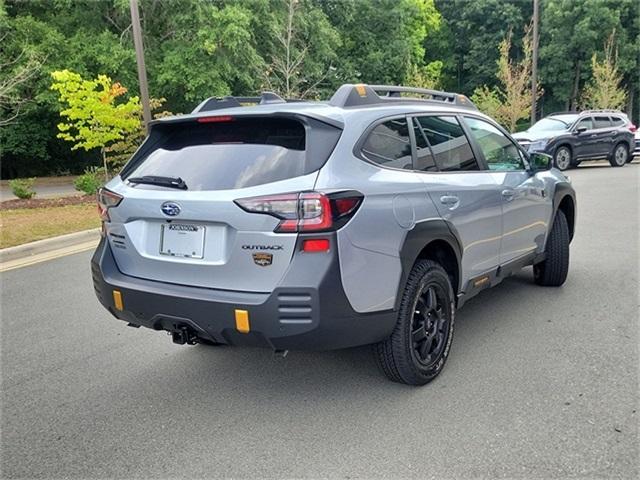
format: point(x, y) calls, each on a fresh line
point(307, 311)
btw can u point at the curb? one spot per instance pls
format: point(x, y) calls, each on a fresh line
point(47, 245)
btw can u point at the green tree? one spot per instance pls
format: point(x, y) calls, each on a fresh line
point(604, 89)
point(382, 40)
point(571, 32)
point(469, 39)
point(94, 119)
point(299, 48)
point(510, 101)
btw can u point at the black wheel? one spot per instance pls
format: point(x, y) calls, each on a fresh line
point(552, 272)
point(418, 348)
point(619, 156)
point(562, 159)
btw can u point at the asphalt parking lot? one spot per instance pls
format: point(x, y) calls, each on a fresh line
point(541, 382)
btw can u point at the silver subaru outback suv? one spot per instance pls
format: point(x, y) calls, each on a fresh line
point(367, 219)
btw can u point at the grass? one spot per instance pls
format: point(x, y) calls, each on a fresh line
point(25, 225)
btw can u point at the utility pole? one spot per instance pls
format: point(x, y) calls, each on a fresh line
point(142, 72)
point(534, 66)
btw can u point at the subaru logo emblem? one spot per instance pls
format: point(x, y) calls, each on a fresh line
point(171, 209)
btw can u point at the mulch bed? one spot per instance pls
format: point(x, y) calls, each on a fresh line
point(47, 202)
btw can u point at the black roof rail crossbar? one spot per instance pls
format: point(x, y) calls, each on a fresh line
point(217, 103)
point(350, 95)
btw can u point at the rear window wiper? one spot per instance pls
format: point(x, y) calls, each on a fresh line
point(170, 182)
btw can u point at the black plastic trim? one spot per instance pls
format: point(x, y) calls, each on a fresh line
point(308, 310)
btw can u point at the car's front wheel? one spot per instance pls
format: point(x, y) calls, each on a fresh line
point(552, 272)
point(619, 156)
point(418, 348)
point(562, 158)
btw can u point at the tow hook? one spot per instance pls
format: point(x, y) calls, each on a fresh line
point(183, 336)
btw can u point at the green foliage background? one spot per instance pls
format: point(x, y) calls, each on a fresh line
point(200, 48)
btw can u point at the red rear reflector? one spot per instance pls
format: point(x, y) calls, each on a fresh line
point(217, 119)
point(633, 128)
point(316, 245)
point(344, 206)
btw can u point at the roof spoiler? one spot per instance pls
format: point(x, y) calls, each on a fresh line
point(350, 95)
point(218, 103)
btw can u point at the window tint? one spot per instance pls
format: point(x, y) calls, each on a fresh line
point(227, 155)
point(617, 121)
point(388, 144)
point(425, 161)
point(499, 152)
point(586, 123)
point(448, 143)
point(602, 122)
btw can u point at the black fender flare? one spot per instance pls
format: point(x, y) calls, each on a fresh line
point(563, 190)
point(417, 239)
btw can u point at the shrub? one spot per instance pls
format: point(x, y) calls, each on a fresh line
point(23, 187)
point(90, 181)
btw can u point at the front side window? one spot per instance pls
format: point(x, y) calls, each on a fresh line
point(448, 142)
point(389, 145)
point(498, 150)
point(585, 123)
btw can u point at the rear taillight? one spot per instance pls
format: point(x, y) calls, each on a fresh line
point(106, 200)
point(305, 211)
point(632, 127)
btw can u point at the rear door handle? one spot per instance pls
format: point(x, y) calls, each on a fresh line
point(450, 201)
point(508, 194)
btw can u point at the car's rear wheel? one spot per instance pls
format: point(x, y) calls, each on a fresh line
point(418, 348)
point(619, 156)
point(552, 272)
point(562, 158)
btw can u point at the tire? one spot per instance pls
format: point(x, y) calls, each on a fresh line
point(563, 158)
point(552, 272)
point(419, 345)
point(619, 156)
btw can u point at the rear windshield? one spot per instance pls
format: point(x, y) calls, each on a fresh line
point(227, 155)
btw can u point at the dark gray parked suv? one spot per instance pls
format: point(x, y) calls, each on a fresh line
point(572, 137)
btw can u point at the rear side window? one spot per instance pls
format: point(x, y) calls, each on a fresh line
point(388, 144)
point(450, 147)
point(617, 121)
point(602, 122)
point(233, 154)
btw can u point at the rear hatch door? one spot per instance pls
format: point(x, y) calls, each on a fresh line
point(197, 235)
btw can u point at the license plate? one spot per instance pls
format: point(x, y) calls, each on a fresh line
point(182, 240)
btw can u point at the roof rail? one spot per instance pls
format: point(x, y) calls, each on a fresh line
point(581, 112)
point(350, 95)
point(217, 103)
point(604, 110)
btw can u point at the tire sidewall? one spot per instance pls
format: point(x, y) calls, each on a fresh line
point(555, 157)
point(614, 156)
point(426, 373)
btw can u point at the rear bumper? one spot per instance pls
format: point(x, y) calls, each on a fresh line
point(307, 311)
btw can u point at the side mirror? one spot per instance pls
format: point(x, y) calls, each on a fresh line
point(540, 162)
point(580, 130)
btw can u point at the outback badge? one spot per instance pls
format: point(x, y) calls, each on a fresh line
point(262, 259)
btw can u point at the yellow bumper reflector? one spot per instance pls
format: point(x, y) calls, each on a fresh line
point(242, 321)
point(117, 300)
